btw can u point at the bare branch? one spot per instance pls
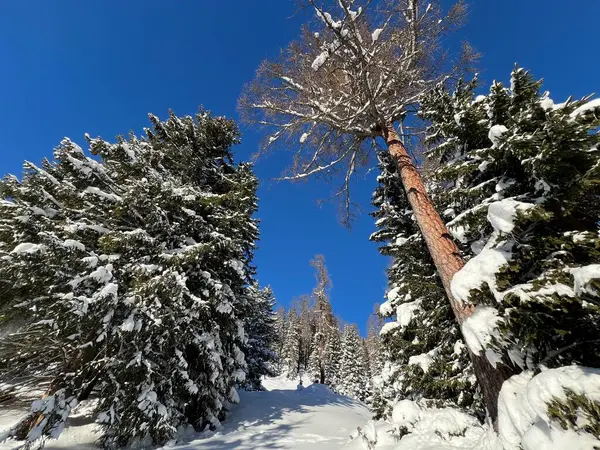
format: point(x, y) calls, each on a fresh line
point(360, 66)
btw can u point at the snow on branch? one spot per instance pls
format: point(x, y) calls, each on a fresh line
point(356, 68)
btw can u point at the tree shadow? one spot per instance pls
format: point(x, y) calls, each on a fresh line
point(259, 422)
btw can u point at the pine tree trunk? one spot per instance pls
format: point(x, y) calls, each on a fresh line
point(447, 259)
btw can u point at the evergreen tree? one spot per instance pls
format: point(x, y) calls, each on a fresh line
point(291, 346)
point(280, 330)
point(259, 327)
point(353, 380)
point(333, 359)
point(518, 181)
point(373, 342)
point(423, 354)
point(324, 323)
point(129, 265)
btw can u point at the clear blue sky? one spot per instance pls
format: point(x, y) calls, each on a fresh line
point(71, 67)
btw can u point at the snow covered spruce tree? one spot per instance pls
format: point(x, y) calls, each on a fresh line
point(324, 322)
point(261, 338)
point(291, 346)
point(351, 79)
point(518, 180)
point(424, 357)
point(131, 266)
point(280, 329)
point(354, 380)
point(373, 341)
point(333, 358)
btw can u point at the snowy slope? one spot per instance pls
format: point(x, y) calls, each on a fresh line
point(283, 418)
point(280, 418)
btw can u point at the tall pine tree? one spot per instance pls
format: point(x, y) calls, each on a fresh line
point(291, 346)
point(423, 355)
point(324, 322)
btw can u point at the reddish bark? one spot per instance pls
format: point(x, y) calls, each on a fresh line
point(447, 259)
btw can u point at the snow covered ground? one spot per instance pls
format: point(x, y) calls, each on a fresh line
point(280, 418)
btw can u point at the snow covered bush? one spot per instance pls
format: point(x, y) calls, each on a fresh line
point(423, 353)
point(558, 408)
point(415, 426)
point(131, 267)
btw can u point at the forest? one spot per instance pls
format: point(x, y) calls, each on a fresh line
point(129, 283)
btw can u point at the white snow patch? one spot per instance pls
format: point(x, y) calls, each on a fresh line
point(375, 34)
point(523, 420)
point(589, 106)
point(547, 104)
point(387, 327)
point(320, 60)
point(28, 247)
point(393, 294)
point(479, 328)
point(303, 138)
point(583, 276)
point(405, 312)
point(428, 429)
point(386, 309)
point(502, 214)
point(72, 243)
point(496, 131)
point(479, 270)
point(103, 274)
point(423, 360)
point(100, 193)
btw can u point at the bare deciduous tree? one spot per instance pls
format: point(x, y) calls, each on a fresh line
point(350, 79)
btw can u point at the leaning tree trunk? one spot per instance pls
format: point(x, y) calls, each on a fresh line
point(447, 259)
point(85, 382)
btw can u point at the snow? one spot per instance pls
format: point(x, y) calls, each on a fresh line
point(100, 193)
point(502, 214)
point(393, 294)
point(28, 247)
point(71, 243)
point(405, 312)
point(376, 34)
point(423, 360)
point(285, 418)
point(428, 429)
point(314, 417)
point(589, 106)
point(102, 274)
point(303, 138)
point(523, 420)
point(484, 165)
point(479, 328)
point(386, 309)
point(387, 327)
point(320, 60)
point(582, 276)
point(496, 131)
point(547, 103)
point(479, 270)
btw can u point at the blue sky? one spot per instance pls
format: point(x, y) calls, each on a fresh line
point(71, 67)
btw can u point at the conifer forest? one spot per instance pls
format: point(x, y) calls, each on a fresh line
point(135, 313)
